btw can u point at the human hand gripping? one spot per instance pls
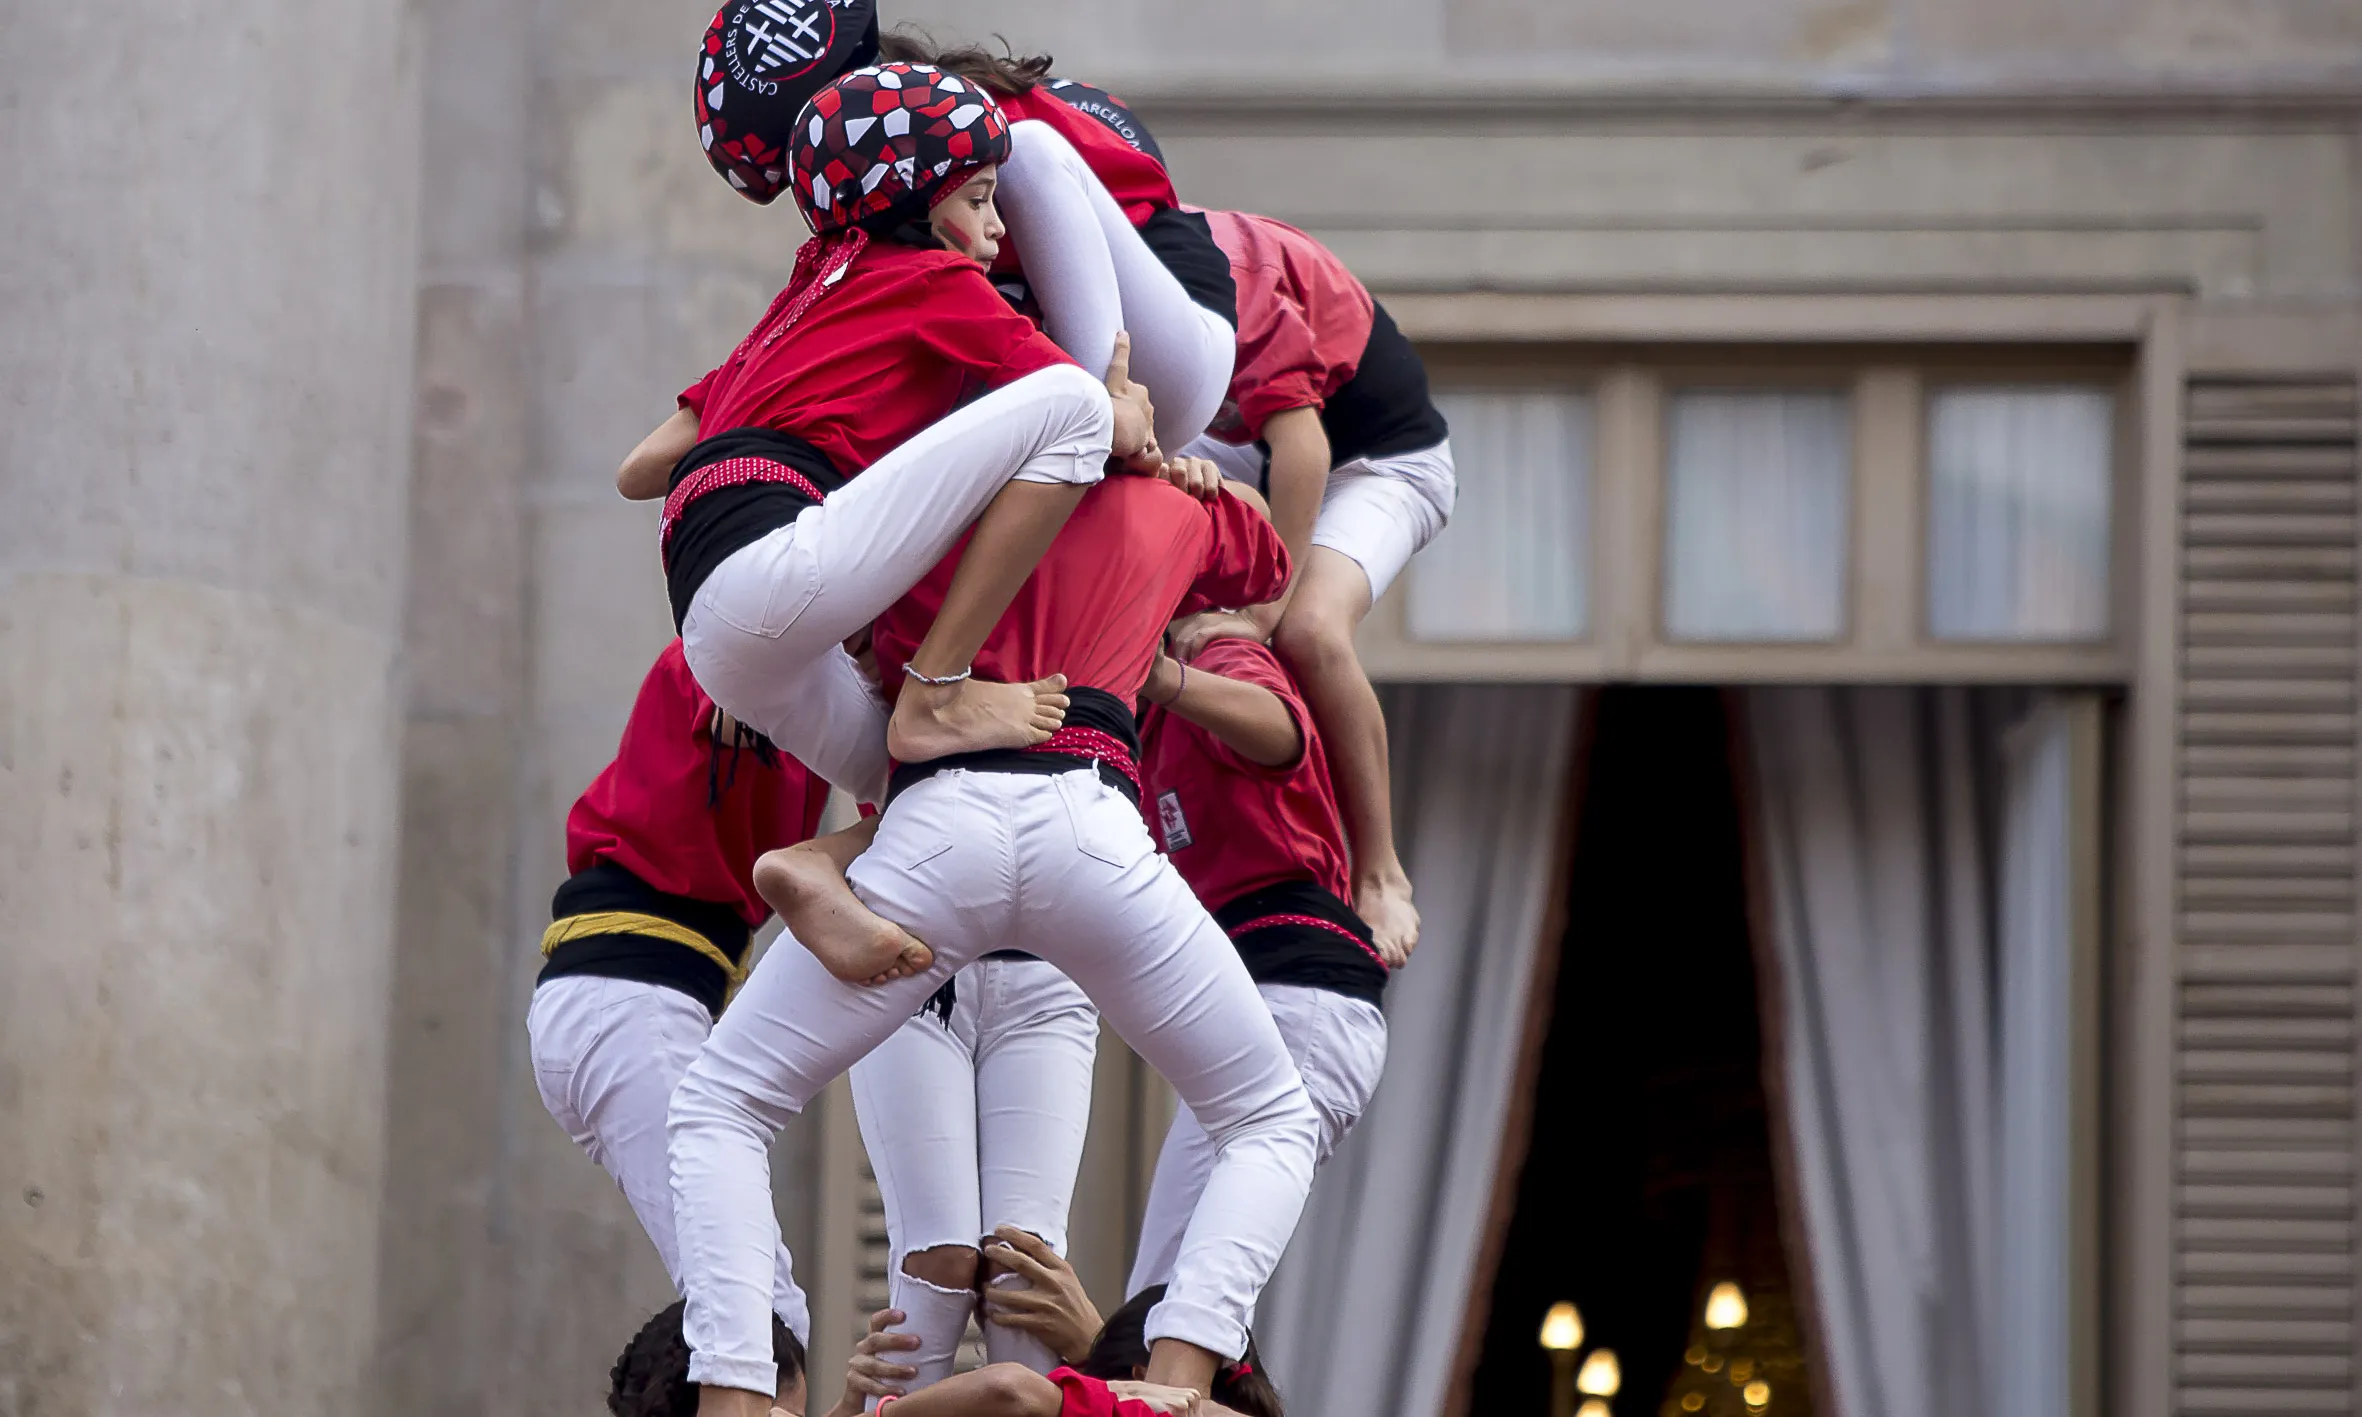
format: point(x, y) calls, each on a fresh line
point(1134, 445)
point(1054, 1309)
point(1156, 1397)
point(1199, 477)
point(872, 1372)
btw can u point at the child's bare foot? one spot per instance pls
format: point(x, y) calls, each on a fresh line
point(936, 720)
point(809, 891)
point(1384, 900)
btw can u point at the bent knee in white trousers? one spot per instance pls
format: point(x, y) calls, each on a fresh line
point(764, 632)
point(1094, 276)
point(1339, 1045)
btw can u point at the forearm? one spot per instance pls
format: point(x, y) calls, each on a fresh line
point(1250, 720)
point(1002, 1390)
point(646, 473)
point(1299, 476)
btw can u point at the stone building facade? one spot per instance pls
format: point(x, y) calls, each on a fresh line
point(324, 609)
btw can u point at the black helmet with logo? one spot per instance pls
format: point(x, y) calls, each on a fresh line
point(760, 63)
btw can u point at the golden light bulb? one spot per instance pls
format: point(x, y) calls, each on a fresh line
point(1692, 1401)
point(1562, 1328)
point(1695, 1355)
point(1757, 1393)
point(1600, 1376)
point(1726, 1307)
point(1593, 1407)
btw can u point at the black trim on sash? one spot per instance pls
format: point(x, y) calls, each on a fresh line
point(1085, 708)
point(643, 958)
point(1305, 955)
point(721, 521)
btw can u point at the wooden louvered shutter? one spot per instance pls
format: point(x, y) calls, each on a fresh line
point(2264, 1200)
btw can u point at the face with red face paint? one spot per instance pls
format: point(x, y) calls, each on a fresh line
point(967, 220)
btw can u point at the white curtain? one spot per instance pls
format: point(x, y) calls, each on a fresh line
point(1915, 846)
point(1757, 489)
point(1363, 1318)
point(2018, 513)
point(1515, 561)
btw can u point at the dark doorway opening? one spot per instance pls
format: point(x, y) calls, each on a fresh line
point(1648, 1176)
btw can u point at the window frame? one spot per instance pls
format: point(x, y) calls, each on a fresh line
point(1886, 634)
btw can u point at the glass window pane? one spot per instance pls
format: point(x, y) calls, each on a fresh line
point(2018, 481)
point(1514, 561)
point(1756, 491)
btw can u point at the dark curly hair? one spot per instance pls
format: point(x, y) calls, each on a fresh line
point(1003, 73)
point(651, 1378)
point(1122, 1349)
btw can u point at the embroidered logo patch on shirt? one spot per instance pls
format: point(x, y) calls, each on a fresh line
point(1168, 811)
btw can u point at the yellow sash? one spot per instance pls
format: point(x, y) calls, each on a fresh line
point(632, 922)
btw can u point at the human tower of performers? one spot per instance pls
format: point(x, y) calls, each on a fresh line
point(1036, 514)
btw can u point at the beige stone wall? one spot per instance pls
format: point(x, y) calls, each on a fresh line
point(207, 283)
point(1621, 42)
point(581, 263)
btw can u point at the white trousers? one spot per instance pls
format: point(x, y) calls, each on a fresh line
point(972, 862)
point(1340, 1047)
point(974, 1122)
point(607, 1054)
point(764, 634)
point(1095, 277)
point(1378, 511)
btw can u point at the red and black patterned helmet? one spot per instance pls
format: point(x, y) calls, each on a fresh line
point(888, 137)
point(761, 62)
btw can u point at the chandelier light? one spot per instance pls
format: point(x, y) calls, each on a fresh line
point(1726, 1307)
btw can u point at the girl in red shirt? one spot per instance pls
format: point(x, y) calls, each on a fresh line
point(1239, 799)
point(1092, 214)
point(816, 474)
point(1043, 850)
point(651, 931)
point(1360, 477)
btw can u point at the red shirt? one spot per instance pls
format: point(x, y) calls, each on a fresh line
point(1137, 552)
point(1137, 181)
point(1303, 322)
point(649, 810)
point(903, 338)
point(1232, 826)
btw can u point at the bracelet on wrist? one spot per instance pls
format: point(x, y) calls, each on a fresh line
point(931, 679)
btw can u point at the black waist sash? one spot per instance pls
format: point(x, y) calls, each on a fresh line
point(1299, 933)
point(702, 532)
point(608, 922)
point(1385, 407)
point(1090, 714)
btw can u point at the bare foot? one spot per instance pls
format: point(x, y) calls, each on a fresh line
point(936, 720)
point(853, 942)
point(1385, 902)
